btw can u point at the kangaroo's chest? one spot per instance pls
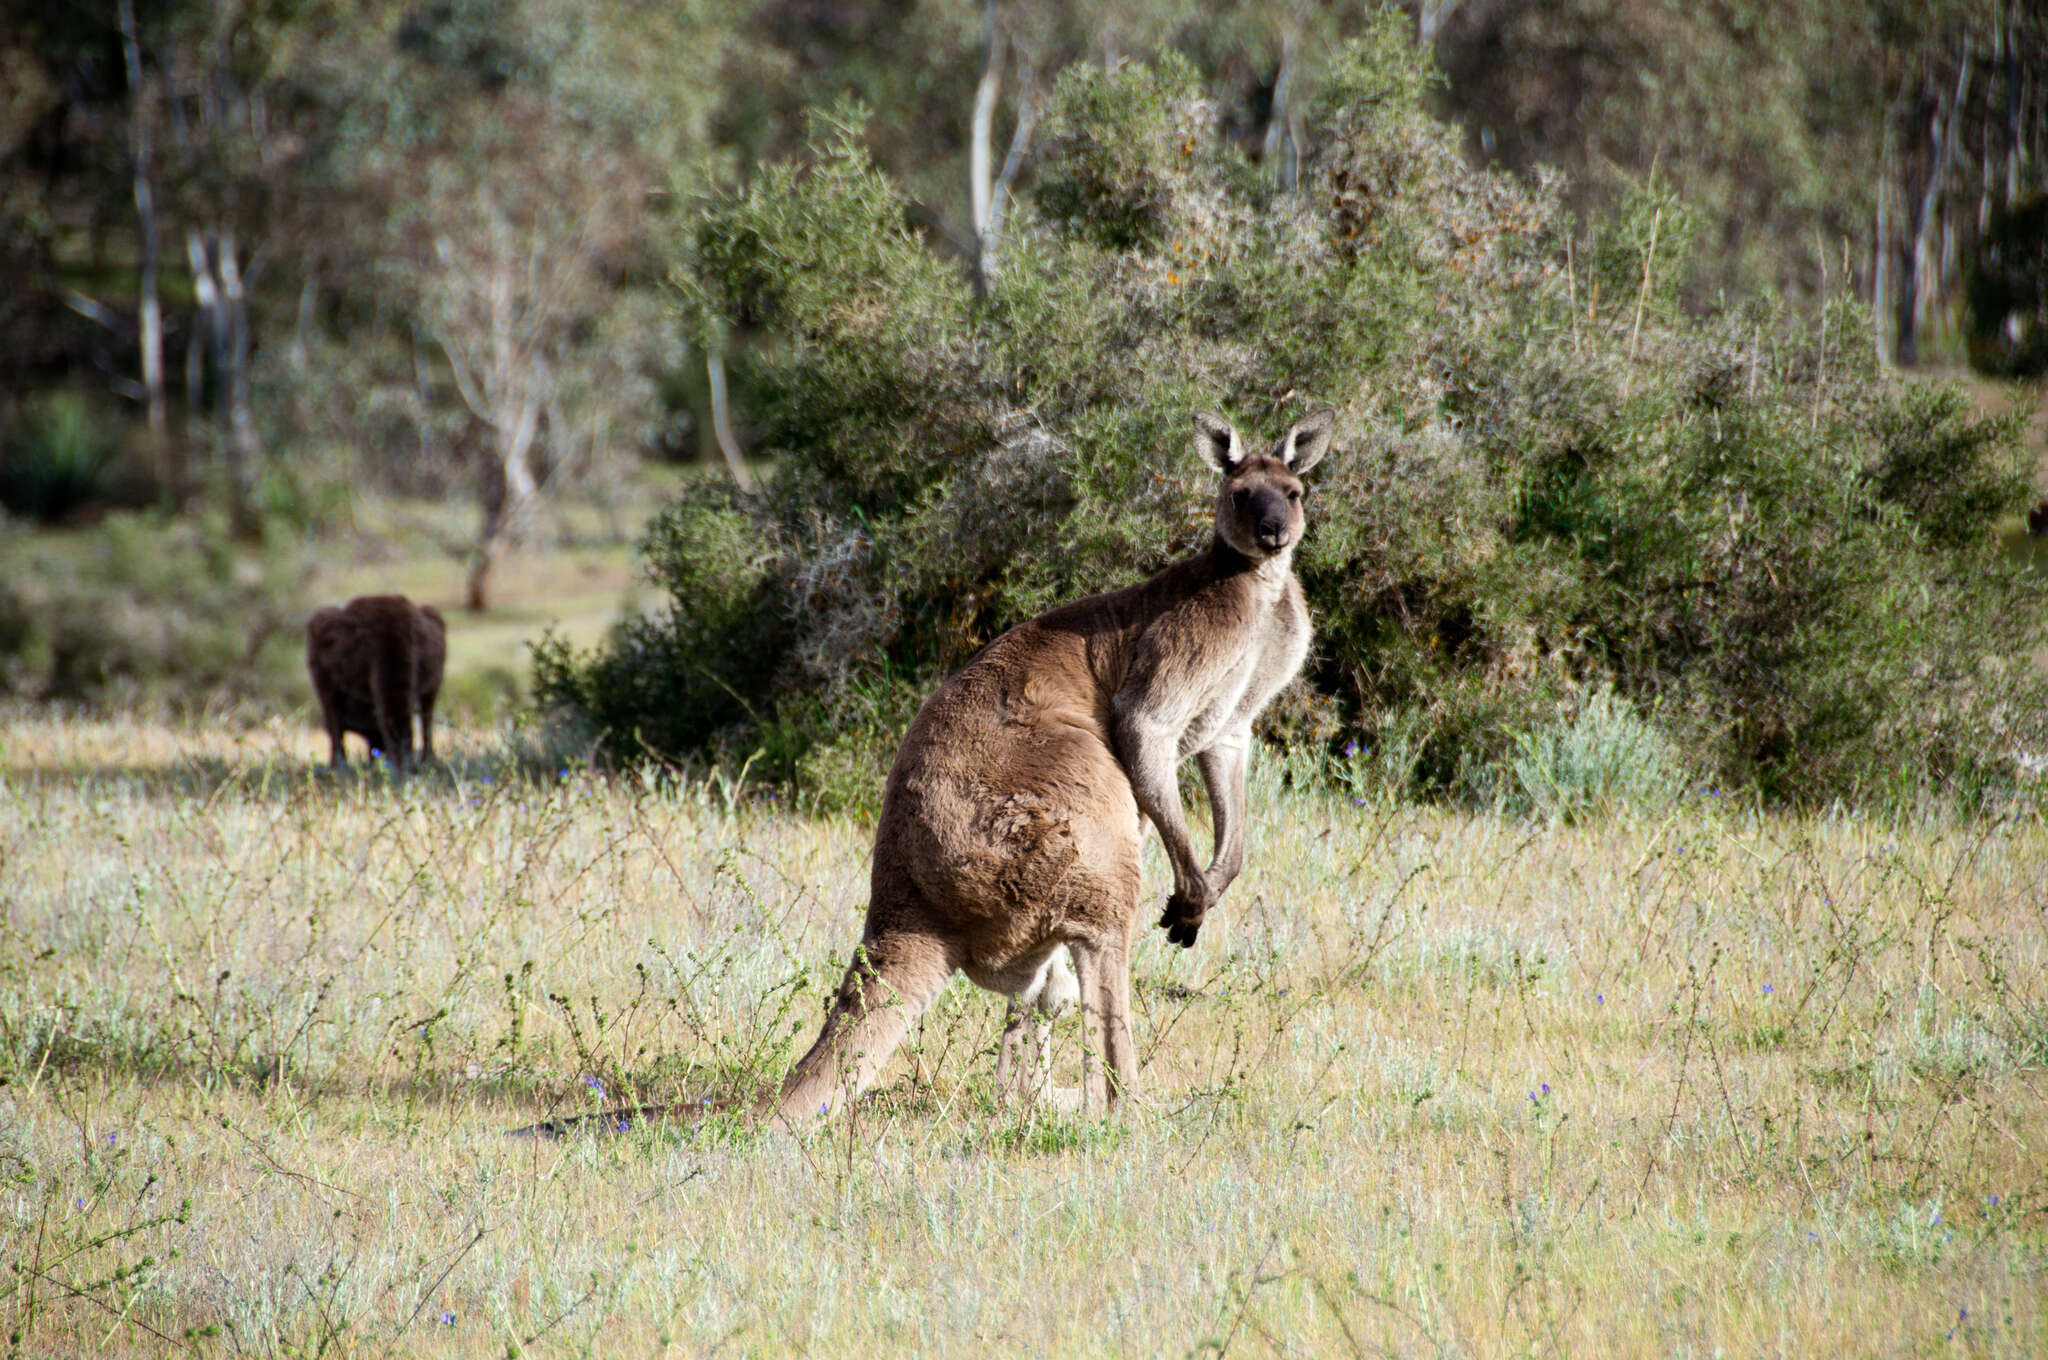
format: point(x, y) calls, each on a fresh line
point(1270, 652)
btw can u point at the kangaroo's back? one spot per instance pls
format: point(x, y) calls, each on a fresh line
point(375, 663)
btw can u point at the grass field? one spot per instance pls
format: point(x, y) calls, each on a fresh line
point(1688, 1081)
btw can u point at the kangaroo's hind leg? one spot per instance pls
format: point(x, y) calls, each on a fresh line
point(895, 974)
point(1109, 1059)
point(1024, 1066)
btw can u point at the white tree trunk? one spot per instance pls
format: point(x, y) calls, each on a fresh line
point(505, 510)
point(980, 155)
point(245, 449)
point(1279, 146)
point(1881, 258)
point(721, 423)
point(149, 310)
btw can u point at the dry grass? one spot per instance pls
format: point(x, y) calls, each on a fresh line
point(1431, 1084)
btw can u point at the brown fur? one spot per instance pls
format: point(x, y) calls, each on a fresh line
point(376, 661)
point(1011, 820)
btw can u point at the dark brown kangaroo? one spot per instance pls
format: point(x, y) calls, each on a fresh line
point(375, 662)
point(1011, 820)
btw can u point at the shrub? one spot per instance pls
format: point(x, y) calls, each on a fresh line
point(59, 459)
point(148, 605)
point(1603, 756)
point(1550, 483)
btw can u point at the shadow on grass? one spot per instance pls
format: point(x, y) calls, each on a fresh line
point(205, 779)
point(568, 1106)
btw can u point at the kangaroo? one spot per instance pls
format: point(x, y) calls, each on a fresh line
point(375, 662)
point(1011, 819)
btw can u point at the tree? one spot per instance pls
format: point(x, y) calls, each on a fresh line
point(1869, 143)
point(514, 277)
point(1552, 482)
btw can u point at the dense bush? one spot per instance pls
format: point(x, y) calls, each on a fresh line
point(148, 606)
point(60, 457)
point(1549, 484)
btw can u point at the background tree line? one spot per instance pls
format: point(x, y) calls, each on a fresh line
point(264, 254)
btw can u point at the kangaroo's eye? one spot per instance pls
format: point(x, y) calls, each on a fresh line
point(1295, 495)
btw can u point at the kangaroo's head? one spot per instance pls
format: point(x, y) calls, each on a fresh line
point(1258, 508)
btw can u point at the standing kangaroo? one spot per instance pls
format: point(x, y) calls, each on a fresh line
point(1011, 820)
point(375, 662)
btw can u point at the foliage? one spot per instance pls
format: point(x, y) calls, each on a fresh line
point(2008, 297)
point(149, 605)
point(1863, 143)
point(58, 459)
point(1602, 756)
point(1552, 482)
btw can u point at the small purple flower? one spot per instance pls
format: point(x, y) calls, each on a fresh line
point(1994, 1201)
point(113, 1138)
point(625, 1124)
point(1813, 1237)
point(1545, 1088)
point(376, 754)
point(596, 1086)
point(1768, 989)
point(1600, 997)
point(81, 1203)
point(1350, 749)
point(1358, 802)
point(447, 1318)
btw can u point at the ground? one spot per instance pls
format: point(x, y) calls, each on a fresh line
point(1686, 1080)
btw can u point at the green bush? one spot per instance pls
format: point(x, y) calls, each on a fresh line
point(1603, 756)
point(60, 458)
point(1550, 482)
point(145, 605)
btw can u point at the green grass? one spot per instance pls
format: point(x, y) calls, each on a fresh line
point(1432, 1083)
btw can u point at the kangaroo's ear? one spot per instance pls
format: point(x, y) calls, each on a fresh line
point(1216, 440)
point(1308, 440)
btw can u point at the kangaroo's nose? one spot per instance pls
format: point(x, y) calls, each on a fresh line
point(1272, 533)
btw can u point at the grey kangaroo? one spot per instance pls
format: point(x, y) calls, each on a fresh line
point(1011, 820)
point(1012, 817)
